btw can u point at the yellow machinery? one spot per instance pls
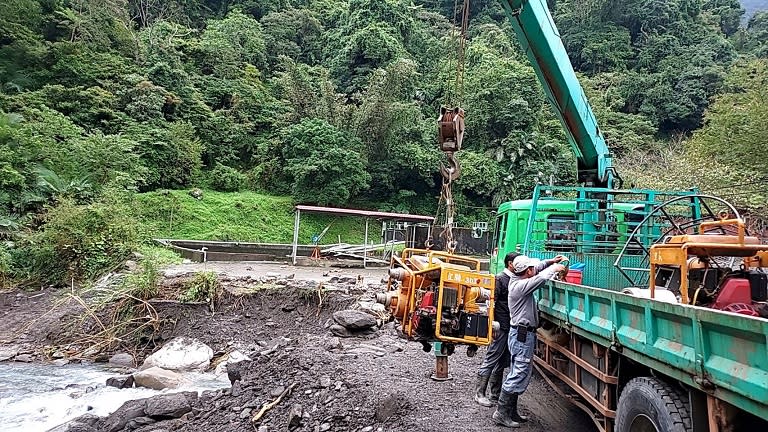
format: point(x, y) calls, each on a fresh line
point(440, 298)
point(700, 268)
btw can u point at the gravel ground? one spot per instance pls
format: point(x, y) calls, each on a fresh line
point(278, 317)
point(379, 382)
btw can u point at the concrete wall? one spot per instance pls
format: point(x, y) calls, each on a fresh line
point(467, 244)
point(235, 251)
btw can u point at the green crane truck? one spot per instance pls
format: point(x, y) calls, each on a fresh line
point(639, 339)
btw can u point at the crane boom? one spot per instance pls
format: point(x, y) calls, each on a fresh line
point(541, 42)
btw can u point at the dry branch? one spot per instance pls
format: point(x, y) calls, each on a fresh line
point(271, 405)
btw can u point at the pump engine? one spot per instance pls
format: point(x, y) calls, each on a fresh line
point(440, 297)
point(714, 268)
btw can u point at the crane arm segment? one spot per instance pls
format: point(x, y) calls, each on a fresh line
point(541, 42)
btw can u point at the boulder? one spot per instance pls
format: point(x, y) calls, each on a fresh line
point(181, 354)
point(84, 423)
point(234, 370)
point(354, 320)
point(332, 343)
point(7, 353)
point(371, 306)
point(157, 378)
point(344, 279)
point(170, 406)
point(196, 193)
point(139, 422)
point(344, 332)
point(26, 358)
point(60, 362)
point(122, 359)
point(121, 382)
point(127, 412)
point(341, 331)
point(232, 358)
point(294, 415)
point(387, 407)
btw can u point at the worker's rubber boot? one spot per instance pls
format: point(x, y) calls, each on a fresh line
point(515, 415)
point(482, 383)
point(494, 386)
point(503, 414)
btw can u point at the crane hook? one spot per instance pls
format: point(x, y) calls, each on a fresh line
point(453, 170)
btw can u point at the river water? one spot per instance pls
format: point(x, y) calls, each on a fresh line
point(38, 397)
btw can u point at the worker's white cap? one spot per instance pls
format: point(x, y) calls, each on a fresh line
point(521, 263)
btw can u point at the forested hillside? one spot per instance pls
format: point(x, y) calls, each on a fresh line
point(335, 102)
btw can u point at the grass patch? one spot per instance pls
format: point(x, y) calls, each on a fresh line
point(238, 216)
point(161, 256)
point(204, 287)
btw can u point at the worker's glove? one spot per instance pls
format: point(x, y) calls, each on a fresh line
point(496, 330)
point(560, 271)
point(485, 294)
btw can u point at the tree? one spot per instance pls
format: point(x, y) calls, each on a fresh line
point(623, 132)
point(755, 38)
point(502, 95)
point(724, 156)
point(100, 23)
point(735, 134)
point(727, 14)
point(228, 45)
point(371, 35)
point(326, 164)
point(295, 33)
point(308, 91)
point(172, 155)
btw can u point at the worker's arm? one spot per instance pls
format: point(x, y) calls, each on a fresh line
point(548, 262)
point(525, 287)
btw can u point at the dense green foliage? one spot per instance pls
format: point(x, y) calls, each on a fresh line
point(330, 102)
point(725, 157)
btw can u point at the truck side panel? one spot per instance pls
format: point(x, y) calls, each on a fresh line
point(697, 346)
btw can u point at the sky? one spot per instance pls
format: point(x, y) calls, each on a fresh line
point(752, 6)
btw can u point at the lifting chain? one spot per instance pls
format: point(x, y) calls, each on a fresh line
point(461, 46)
point(451, 135)
point(450, 211)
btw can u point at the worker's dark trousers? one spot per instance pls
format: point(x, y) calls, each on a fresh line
point(497, 357)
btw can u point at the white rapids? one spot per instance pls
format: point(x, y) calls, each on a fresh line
point(38, 397)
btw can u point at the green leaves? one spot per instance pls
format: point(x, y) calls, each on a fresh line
point(335, 102)
point(724, 156)
point(324, 162)
point(228, 44)
point(754, 39)
point(295, 33)
point(226, 179)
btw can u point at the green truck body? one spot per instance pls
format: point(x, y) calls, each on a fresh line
point(719, 353)
point(712, 353)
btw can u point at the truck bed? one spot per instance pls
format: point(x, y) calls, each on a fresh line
point(721, 353)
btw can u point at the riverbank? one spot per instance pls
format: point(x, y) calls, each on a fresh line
point(38, 396)
point(280, 317)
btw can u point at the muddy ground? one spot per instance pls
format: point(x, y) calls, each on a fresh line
point(376, 382)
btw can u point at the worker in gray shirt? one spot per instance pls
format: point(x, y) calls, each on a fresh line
point(529, 275)
point(491, 373)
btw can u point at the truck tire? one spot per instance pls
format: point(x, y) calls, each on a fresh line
point(650, 405)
